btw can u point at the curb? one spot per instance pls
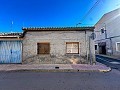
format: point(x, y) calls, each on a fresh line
point(100, 70)
point(56, 70)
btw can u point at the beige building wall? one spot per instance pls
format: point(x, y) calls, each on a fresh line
point(57, 40)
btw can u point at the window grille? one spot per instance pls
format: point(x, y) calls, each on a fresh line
point(72, 47)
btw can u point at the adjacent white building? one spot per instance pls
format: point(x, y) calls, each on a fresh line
point(107, 31)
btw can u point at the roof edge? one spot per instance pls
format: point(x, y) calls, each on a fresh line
point(57, 28)
point(106, 15)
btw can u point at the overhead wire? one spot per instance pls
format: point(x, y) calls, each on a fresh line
point(96, 3)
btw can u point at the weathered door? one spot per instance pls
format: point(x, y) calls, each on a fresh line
point(10, 52)
point(43, 48)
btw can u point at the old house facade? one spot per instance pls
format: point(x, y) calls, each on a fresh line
point(68, 45)
point(107, 31)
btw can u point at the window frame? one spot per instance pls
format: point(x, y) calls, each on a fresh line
point(117, 46)
point(72, 43)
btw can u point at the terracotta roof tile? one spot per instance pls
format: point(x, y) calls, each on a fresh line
point(11, 34)
point(57, 28)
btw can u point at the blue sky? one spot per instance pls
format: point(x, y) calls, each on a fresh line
point(51, 13)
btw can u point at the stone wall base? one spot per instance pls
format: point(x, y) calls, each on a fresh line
point(51, 59)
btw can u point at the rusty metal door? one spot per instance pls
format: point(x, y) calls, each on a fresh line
point(10, 52)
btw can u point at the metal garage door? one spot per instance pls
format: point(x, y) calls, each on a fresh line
point(10, 51)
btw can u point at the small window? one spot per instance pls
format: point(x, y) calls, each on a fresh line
point(72, 47)
point(117, 46)
point(95, 47)
point(43, 48)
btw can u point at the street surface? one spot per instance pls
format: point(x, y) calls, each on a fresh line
point(113, 63)
point(28, 80)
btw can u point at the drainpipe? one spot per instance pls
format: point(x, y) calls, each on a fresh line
point(105, 34)
point(90, 58)
point(86, 46)
point(111, 47)
point(105, 31)
point(89, 49)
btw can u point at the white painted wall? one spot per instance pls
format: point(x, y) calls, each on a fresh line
point(111, 22)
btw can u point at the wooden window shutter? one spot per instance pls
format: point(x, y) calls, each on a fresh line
point(43, 48)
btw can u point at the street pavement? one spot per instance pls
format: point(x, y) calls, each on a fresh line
point(29, 80)
point(58, 77)
point(109, 61)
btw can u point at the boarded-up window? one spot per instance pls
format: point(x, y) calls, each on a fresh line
point(117, 46)
point(43, 48)
point(72, 47)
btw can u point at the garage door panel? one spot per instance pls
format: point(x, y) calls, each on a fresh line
point(10, 51)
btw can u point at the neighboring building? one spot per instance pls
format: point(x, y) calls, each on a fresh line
point(107, 31)
point(10, 47)
point(67, 45)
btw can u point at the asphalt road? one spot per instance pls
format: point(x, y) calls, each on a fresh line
point(113, 63)
point(60, 81)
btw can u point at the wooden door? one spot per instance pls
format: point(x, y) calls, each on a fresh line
point(43, 48)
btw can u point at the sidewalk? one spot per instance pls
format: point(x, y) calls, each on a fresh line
point(55, 67)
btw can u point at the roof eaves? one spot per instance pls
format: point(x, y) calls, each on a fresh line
point(57, 28)
point(11, 35)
